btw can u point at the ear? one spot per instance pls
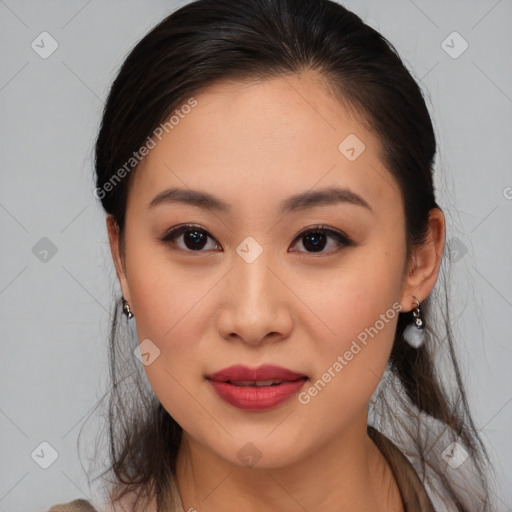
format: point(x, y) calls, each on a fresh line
point(117, 255)
point(425, 262)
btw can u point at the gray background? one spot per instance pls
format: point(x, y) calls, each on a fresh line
point(54, 308)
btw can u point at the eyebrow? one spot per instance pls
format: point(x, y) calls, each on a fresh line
point(300, 201)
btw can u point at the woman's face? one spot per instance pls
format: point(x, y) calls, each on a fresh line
point(251, 287)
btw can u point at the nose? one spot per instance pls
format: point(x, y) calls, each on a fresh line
point(255, 304)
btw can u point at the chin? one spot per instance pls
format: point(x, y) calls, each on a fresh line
point(261, 451)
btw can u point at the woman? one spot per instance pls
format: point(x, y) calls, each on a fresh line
point(267, 172)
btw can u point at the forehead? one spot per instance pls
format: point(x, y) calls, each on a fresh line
point(258, 142)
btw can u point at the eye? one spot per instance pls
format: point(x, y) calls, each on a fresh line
point(316, 238)
point(313, 239)
point(194, 237)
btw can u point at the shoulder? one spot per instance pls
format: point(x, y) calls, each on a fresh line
point(81, 505)
point(73, 506)
point(443, 458)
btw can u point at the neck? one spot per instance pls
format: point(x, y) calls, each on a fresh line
point(348, 474)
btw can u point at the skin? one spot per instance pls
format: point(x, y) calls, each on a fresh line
point(254, 145)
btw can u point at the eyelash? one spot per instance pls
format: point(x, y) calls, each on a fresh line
point(341, 239)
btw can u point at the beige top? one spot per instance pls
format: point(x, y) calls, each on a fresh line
point(81, 505)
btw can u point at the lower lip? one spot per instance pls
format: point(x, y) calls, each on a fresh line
point(254, 398)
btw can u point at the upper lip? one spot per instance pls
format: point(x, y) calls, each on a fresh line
point(263, 372)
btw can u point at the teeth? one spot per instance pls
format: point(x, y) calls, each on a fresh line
point(255, 383)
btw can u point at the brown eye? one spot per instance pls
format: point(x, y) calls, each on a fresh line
point(314, 240)
point(194, 238)
point(317, 238)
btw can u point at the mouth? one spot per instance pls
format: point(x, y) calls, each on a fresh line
point(259, 383)
point(264, 375)
point(256, 389)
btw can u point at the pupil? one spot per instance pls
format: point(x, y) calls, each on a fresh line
point(317, 240)
point(197, 238)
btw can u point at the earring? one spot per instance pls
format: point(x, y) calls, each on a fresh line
point(126, 309)
point(414, 333)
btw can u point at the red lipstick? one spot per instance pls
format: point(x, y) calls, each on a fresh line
point(258, 388)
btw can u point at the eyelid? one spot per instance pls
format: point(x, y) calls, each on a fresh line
point(325, 229)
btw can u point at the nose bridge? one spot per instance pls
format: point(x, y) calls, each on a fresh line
point(255, 298)
point(253, 278)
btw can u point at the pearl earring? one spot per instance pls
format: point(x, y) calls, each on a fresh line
point(414, 333)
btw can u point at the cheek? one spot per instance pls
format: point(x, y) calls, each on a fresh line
point(164, 295)
point(350, 365)
point(167, 315)
point(168, 306)
point(360, 307)
point(355, 296)
point(171, 314)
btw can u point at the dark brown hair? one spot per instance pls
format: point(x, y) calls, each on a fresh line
point(209, 40)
